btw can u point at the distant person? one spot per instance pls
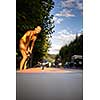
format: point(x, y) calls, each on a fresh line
point(26, 45)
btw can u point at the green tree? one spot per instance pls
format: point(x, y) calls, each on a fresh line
point(29, 14)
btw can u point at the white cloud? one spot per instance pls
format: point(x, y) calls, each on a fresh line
point(57, 20)
point(69, 4)
point(64, 31)
point(65, 38)
point(65, 13)
point(54, 49)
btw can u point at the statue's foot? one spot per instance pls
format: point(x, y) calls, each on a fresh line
point(20, 70)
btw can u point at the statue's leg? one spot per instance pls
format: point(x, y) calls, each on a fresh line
point(25, 64)
point(23, 59)
point(22, 63)
point(27, 58)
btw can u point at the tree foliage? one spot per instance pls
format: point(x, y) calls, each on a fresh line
point(29, 14)
point(74, 48)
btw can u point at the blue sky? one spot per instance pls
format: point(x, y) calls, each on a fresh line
point(68, 21)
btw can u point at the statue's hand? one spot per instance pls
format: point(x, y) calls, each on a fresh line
point(27, 52)
point(30, 51)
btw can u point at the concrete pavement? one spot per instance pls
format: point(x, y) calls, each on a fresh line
point(64, 85)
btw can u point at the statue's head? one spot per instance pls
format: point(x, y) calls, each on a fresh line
point(38, 29)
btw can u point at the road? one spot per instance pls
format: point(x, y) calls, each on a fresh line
point(49, 86)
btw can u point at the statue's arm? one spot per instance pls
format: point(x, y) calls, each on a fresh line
point(33, 41)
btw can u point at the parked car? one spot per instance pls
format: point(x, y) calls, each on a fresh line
point(66, 65)
point(77, 61)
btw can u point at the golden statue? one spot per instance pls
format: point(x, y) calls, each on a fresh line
point(26, 45)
